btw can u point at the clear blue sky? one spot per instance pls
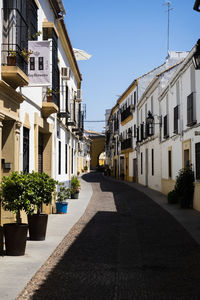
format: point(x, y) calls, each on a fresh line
point(126, 39)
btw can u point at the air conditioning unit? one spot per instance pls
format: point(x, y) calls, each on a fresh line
point(65, 73)
point(78, 95)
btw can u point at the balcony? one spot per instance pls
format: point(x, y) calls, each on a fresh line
point(14, 70)
point(126, 144)
point(14, 41)
point(126, 113)
point(48, 108)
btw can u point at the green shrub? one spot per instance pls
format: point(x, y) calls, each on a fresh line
point(63, 192)
point(172, 197)
point(75, 185)
point(184, 187)
point(85, 168)
point(40, 189)
point(13, 194)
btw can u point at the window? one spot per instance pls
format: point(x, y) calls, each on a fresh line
point(190, 110)
point(72, 161)
point(176, 119)
point(32, 20)
point(25, 150)
point(59, 157)
point(135, 131)
point(152, 162)
point(142, 131)
point(135, 99)
point(141, 163)
point(41, 63)
point(32, 63)
point(15, 31)
point(166, 132)
point(66, 158)
point(197, 160)
point(170, 163)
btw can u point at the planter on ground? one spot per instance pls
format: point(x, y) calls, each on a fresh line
point(13, 197)
point(63, 193)
point(75, 187)
point(61, 207)
point(41, 187)
point(37, 226)
point(75, 195)
point(15, 238)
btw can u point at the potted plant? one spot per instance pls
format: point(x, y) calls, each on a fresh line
point(49, 94)
point(75, 187)
point(85, 168)
point(26, 54)
point(13, 198)
point(40, 189)
point(63, 194)
point(11, 59)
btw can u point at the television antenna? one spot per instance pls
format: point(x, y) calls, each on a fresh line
point(168, 4)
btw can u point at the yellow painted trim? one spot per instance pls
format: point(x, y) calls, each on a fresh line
point(167, 185)
point(37, 3)
point(127, 151)
point(43, 124)
point(186, 145)
point(68, 53)
point(26, 121)
point(128, 91)
point(10, 92)
point(14, 76)
point(50, 25)
point(196, 199)
point(48, 108)
point(127, 120)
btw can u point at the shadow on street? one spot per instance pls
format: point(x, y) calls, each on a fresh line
point(138, 251)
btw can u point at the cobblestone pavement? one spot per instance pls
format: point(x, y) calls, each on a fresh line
point(125, 246)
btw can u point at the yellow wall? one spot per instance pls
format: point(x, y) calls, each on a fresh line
point(196, 199)
point(167, 185)
point(97, 147)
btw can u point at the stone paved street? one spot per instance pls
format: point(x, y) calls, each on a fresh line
point(125, 246)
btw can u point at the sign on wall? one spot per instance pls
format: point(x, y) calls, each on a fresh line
point(39, 63)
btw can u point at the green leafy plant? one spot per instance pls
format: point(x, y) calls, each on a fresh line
point(26, 54)
point(75, 185)
point(63, 192)
point(85, 168)
point(13, 194)
point(40, 189)
point(12, 53)
point(184, 187)
point(36, 34)
point(172, 197)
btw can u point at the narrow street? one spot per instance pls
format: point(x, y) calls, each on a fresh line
point(125, 246)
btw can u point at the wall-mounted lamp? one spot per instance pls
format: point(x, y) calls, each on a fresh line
point(150, 119)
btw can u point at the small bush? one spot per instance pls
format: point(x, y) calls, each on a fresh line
point(172, 197)
point(184, 188)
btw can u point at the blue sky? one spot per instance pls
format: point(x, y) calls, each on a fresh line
point(126, 39)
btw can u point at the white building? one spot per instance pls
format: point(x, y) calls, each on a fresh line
point(41, 118)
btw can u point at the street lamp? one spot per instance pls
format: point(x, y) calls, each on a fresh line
point(150, 119)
